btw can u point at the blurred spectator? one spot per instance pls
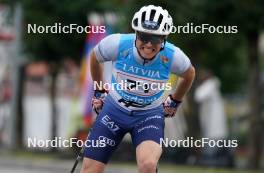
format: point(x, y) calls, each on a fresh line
point(212, 119)
point(5, 105)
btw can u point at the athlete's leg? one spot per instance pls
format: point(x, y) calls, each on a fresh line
point(92, 166)
point(148, 154)
point(105, 142)
point(146, 136)
point(103, 139)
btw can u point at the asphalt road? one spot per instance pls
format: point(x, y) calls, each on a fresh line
point(20, 165)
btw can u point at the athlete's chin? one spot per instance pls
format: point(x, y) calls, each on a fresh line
point(147, 56)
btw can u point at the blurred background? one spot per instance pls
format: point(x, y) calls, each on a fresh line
point(45, 86)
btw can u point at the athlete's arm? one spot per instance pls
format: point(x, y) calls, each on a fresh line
point(184, 83)
point(182, 67)
point(105, 50)
point(96, 70)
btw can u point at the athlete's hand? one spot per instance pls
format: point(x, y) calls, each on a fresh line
point(98, 100)
point(170, 106)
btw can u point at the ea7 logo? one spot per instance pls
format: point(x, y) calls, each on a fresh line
point(106, 120)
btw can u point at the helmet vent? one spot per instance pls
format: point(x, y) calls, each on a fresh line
point(160, 19)
point(166, 27)
point(152, 14)
point(143, 18)
point(135, 22)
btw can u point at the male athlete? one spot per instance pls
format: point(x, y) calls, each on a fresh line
point(141, 60)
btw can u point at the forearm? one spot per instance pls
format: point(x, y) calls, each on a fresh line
point(96, 70)
point(184, 84)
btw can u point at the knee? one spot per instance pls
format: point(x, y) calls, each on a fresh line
point(86, 167)
point(92, 166)
point(147, 166)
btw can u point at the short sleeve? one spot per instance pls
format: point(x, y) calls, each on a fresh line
point(180, 62)
point(107, 48)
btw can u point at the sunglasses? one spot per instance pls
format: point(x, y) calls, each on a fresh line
point(153, 39)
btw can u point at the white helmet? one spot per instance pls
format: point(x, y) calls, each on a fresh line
point(152, 19)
